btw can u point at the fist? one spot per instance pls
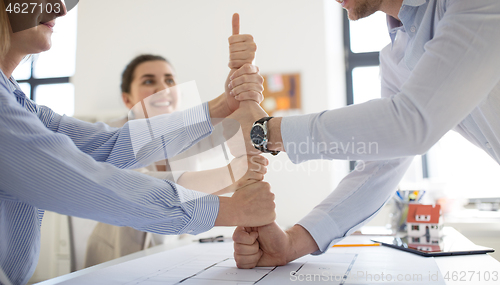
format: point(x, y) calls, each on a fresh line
point(254, 205)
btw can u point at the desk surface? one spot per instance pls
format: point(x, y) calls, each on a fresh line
point(454, 269)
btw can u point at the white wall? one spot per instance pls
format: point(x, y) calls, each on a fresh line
point(292, 36)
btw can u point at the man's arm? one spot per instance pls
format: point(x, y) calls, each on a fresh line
point(458, 69)
point(357, 199)
point(440, 92)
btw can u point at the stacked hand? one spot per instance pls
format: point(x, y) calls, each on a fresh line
point(243, 92)
point(260, 246)
point(248, 169)
point(244, 117)
point(270, 246)
point(250, 206)
point(252, 203)
point(259, 241)
point(246, 84)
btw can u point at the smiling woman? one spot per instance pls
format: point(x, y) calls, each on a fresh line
point(145, 76)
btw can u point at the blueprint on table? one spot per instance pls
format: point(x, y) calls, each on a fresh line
point(214, 264)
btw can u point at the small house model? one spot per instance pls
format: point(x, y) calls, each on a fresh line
point(424, 224)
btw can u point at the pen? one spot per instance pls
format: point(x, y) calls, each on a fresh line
point(352, 245)
point(399, 195)
point(214, 239)
point(421, 193)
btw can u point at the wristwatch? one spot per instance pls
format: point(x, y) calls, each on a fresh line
point(260, 137)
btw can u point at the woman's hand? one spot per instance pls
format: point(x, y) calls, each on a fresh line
point(246, 169)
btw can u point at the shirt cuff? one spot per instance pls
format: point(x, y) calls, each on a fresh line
point(202, 208)
point(322, 228)
point(197, 122)
point(295, 136)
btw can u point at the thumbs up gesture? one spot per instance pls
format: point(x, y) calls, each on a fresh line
point(246, 84)
point(242, 48)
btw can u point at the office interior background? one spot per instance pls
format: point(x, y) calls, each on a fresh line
point(338, 64)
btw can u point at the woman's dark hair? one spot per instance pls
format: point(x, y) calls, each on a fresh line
point(128, 73)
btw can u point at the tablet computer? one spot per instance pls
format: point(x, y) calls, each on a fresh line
point(444, 246)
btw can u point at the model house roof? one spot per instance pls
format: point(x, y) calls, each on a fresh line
point(426, 214)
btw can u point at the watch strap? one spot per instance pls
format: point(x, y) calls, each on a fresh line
point(263, 120)
point(262, 148)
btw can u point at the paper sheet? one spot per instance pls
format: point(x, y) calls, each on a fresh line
point(214, 264)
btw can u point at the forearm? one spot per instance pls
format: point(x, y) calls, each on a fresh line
point(437, 95)
point(207, 181)
point(218, 109)
point(65, 180)
point(72, 183)
point(357, 199)
point(301, 243)
point(139, 142)
point(226, 216)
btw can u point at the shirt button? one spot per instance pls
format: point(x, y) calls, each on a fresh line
point(488, 145)
point(190, 231)
point(413, 29)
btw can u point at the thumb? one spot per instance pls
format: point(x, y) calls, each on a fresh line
point(236, 24)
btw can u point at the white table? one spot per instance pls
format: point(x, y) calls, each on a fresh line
point(454, 269)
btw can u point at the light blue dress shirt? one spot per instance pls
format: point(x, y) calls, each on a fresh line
point(58, 163)
point(441, 72)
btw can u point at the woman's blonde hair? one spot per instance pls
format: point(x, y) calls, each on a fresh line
point(4, 30)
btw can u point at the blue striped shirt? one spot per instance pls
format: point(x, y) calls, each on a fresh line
point(58, 163)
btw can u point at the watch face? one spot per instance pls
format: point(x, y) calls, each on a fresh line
point(257, 135)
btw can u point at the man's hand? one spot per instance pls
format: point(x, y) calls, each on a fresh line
point(262, 246)
point(243, 118)
point(250, 206)
point(270, 246)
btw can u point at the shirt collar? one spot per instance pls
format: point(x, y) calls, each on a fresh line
point(9, 83)
point(404, 15)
